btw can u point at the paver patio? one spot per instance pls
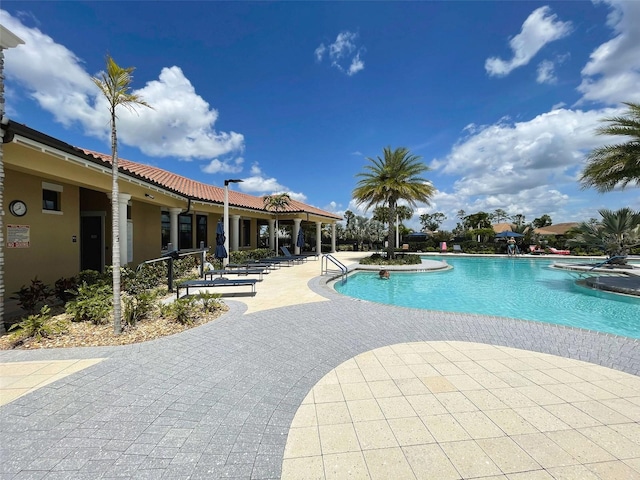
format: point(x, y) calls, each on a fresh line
point(224, 400)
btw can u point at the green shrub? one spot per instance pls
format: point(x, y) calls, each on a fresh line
point(93, 303)
point(378, 259)
point(38, 325)
point(91, 277)
point(183, 310)
point(140, 280)
point(35, 296)
point(138, 307)
point(65, 288)
point(210, 301)
point(243, 256)
point(165, 310)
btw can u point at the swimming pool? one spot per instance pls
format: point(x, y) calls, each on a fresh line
point(518, 288)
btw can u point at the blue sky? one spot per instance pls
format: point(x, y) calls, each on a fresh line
point(500, 99)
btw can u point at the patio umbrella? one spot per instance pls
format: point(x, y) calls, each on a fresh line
point(508, 233)
point(300, 240)
point(220, 251)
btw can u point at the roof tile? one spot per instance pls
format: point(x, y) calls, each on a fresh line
point(202, 191)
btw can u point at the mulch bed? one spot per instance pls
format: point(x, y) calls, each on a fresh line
point(86, 334)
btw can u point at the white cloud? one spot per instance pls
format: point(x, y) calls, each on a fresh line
point(524, 167)
point(546, 73)
point(181, 123)
point(319, 52)
point(506, 158)
point(217, 166)
point(612, 74)
point(333, 207)
point(343, 54)
point(539, 29)
point(259, 184)
point(356, 65)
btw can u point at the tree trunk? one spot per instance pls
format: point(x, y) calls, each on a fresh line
point(391, 234)
point(115, 228)
point(2, 329)
point(277, 233)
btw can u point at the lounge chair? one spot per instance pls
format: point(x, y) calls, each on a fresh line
point(288, 254)
point(457, 249)
point(210, 274)
point(218, 282)
point(282, 260)
point(534, 250)
point(559, 252)
point(254, 264)
point(613, 262)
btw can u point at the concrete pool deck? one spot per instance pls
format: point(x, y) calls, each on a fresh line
point(286, 384)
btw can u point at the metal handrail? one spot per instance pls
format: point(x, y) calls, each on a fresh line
point(172, 255)
point(324, 266)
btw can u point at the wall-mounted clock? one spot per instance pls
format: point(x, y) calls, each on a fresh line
point(18, 208)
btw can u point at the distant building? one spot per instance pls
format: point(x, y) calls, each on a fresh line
point(557, 229)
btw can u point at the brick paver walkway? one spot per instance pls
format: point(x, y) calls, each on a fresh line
point(218, 401)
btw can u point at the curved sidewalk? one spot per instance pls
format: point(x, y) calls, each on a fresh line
point(218, 401)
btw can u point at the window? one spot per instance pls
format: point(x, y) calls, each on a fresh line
point(185, 232)
point(165, 229)
point(51, 197)
point(201, 232)
point(245, 235)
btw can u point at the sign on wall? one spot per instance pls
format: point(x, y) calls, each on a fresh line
point(18, 236)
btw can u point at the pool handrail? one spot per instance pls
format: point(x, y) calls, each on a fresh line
point(324, 266)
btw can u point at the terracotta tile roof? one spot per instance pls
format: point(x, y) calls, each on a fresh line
point(201, 191)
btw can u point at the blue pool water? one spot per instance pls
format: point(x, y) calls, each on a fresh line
point(517, 288)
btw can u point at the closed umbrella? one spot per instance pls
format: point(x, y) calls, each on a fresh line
point(300, 240)
point(220, 251)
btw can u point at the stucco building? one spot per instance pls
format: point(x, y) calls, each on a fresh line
point(57, 212)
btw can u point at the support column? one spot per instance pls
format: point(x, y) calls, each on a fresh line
point(272, 234)
point(235, 233)
point(296, 230)
point(318, 238)
point(173, 219)
point(333, 238)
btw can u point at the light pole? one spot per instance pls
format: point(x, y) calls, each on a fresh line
point(225, 261)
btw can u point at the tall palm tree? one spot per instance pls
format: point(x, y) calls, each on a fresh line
point(115, 85)
point(615, 233)
point(616, 165)
point(277, 202)
point(7, 40)
point(395, 176)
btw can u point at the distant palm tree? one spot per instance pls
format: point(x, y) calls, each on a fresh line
point(615, 233)
point(616, 165)
point(115, 85)
point(394, 177)
point(277, 202)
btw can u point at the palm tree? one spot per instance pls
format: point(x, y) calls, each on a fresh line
point(394, 177)
point(277, 202)
point(7, 40)
point(115, 85)
point(615, 233)
point(616, 165)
